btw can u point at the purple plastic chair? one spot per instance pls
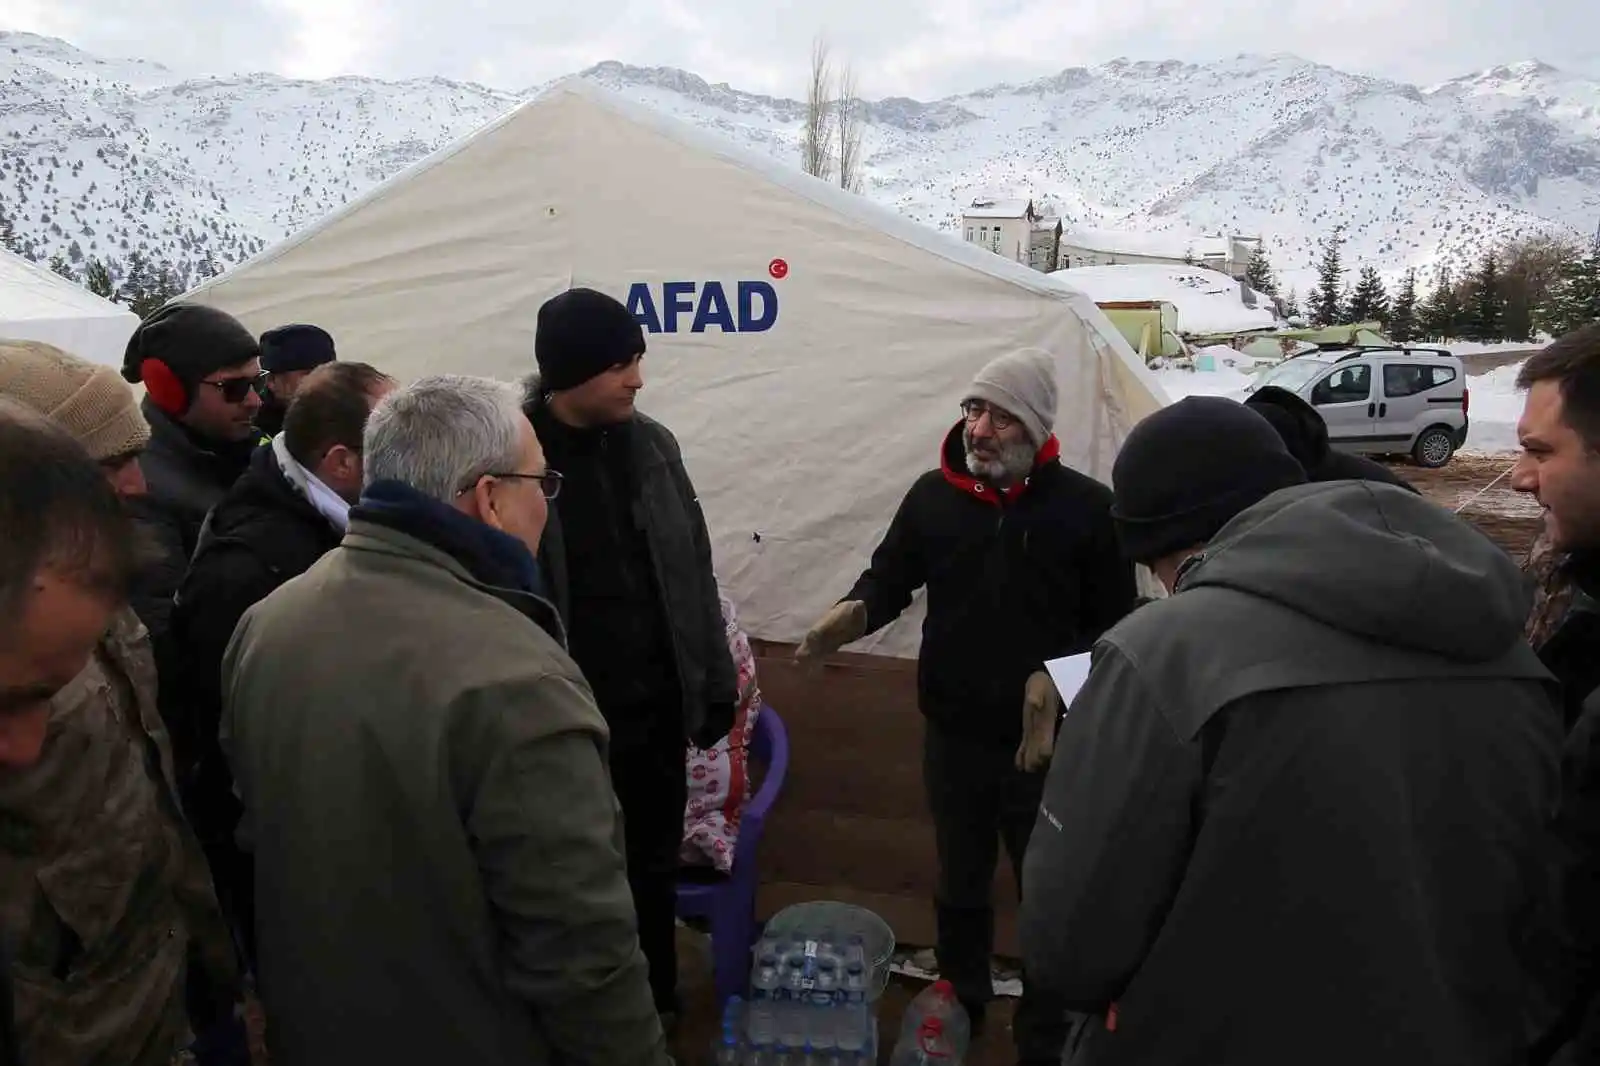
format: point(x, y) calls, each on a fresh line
point(729, 902)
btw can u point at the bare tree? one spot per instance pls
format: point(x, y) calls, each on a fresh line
point(816, 149)
point(847, 124)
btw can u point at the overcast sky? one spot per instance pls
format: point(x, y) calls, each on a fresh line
point(921, 48)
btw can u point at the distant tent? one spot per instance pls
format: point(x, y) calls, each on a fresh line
point(39, 305)
point(808, 347)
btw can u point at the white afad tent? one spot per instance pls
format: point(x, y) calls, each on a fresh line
point(808, 348)
point(39, 305)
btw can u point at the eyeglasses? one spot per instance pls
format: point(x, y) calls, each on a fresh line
point(234, 390)
point(976, 409)
point(549, 482)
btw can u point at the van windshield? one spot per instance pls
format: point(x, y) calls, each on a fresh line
point(1292, 374)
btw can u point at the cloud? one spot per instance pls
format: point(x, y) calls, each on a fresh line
point(922, 48)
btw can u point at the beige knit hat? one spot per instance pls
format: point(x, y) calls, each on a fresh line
point(90, 401)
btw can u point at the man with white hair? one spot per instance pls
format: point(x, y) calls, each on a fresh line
point(1020, 559)
point(439, 865)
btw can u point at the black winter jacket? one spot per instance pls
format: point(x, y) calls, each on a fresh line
point(1297, 813)
point(1572, 652)
point(260, 534)
point(1305, 434)
point(667, 509)
point(184, 478)
point(1013, 579)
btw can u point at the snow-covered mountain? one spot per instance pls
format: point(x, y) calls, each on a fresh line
point(99, 157)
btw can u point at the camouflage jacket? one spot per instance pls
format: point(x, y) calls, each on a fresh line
point(105, 898)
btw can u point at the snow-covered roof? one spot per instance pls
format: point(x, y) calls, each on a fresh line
point(1157, 245)
point(996, 209)
point(37, 304)
point(1207, 301)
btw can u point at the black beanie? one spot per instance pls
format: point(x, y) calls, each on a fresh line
point(296, 347)
point(1190, 469)
point(193, 340)
point(582, 334)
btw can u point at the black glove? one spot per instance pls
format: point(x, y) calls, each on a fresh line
point(718, 724)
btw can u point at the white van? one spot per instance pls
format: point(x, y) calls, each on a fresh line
point(1382, 400)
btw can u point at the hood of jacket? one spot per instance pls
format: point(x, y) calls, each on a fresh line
point(1304, 432)
point(1374, 561)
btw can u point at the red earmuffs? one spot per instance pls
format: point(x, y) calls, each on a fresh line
point(164, 387)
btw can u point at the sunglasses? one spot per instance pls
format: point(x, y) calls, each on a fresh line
point(235, 390)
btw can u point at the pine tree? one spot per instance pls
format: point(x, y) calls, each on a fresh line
point(1325, 303)
point(1258, 274)
point(1575, 298)
point(1485, 311)
point(1401, 324)
point(59, 266)
point(97, 279)
point(1291, 304)
point(8, 232)
point(1370, 301)
point(1441, 316)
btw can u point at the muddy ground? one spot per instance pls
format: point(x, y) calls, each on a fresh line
point(1479, 485)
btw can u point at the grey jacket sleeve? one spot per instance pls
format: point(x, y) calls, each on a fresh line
point(546, 834)
point(1112, 840)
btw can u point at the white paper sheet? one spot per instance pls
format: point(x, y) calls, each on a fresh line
point(1068, 674)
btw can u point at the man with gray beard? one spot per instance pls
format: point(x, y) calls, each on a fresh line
point(1020, 558)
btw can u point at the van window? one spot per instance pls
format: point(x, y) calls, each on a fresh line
point(1401, 380)
point(1349, 385)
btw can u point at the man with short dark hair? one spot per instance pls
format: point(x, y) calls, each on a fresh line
point(289, 509)
point(1560, 467)
point(1300, 803)
point(288, 354)
point(628, 559)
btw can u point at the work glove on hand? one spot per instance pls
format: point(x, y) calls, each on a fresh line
point(718, 724)
point(1041, 708)
point(843, 623)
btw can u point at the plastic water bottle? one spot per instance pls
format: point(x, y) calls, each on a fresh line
point(825, 991)
point(855, 951)
point(935, 1031)
point(764, 982)
point(792, 1008)
point(785, 1055)
point(853, 988)
point(855, 1035)
point(760, 1054)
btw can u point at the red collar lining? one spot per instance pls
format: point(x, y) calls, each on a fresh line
point(963, 480)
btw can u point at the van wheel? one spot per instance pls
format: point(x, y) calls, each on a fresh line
point(1434, 447)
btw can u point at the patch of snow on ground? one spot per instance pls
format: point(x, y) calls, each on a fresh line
point(1495, 407)
point(1475, 348)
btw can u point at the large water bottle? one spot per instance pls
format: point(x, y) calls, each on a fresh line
point(935, 1031)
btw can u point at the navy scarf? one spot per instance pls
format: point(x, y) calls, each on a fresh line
point(497, 559)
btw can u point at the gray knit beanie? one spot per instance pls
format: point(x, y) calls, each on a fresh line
point(1023, 384)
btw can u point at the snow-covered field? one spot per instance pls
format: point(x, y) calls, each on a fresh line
point(1495, 402)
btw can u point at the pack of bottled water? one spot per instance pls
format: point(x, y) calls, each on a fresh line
point(810, 1005)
